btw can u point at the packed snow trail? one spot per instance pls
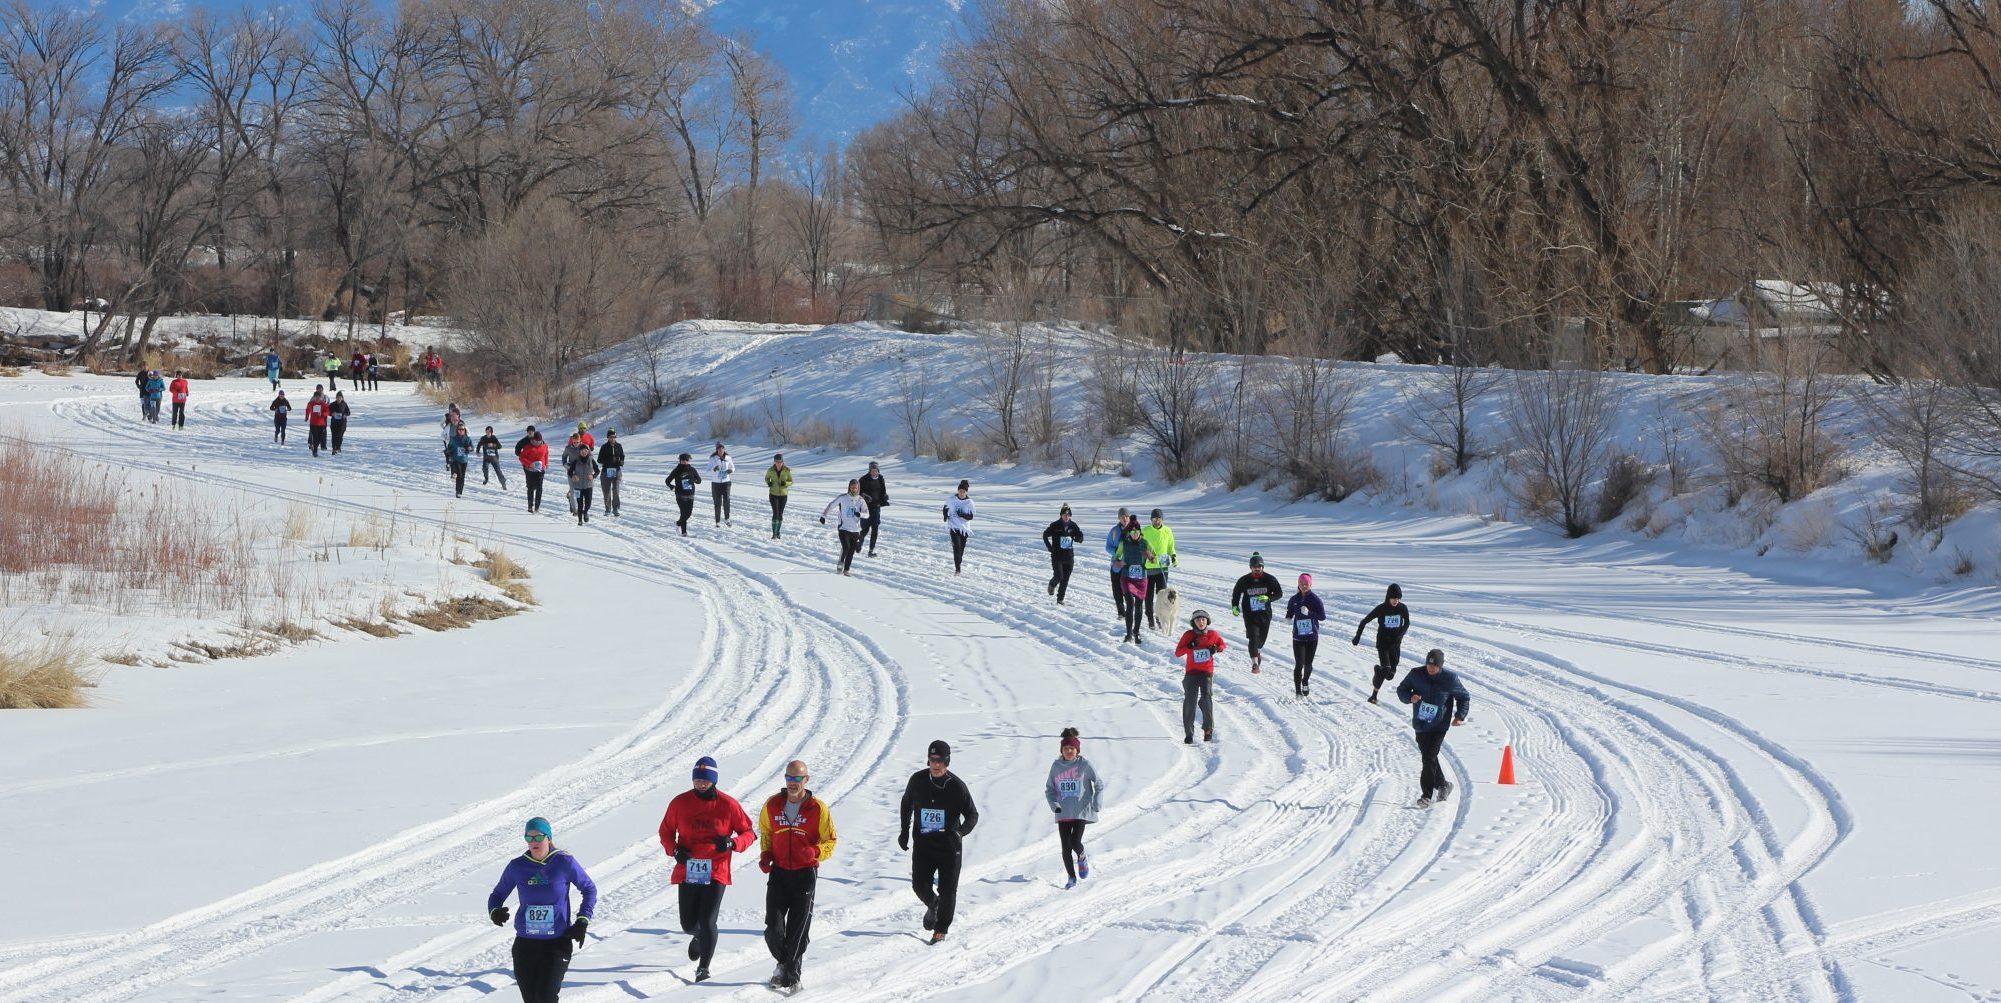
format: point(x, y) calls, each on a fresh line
point(1663, 844)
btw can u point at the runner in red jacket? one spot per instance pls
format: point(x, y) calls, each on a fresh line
point(1200, 645)
point(534, 464)
point(316, 421)
point(178, 390)
point(703, 828)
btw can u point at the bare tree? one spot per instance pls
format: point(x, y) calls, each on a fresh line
point(1444, 407)
point(1767, 429)
point(1561, 420)
point(914, 401)
point(1178, 415)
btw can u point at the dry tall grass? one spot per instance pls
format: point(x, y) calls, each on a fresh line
point(46, 673)
point(76, 533)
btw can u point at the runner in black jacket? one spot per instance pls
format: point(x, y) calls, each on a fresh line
point(875, 491)
point(611, 468)
point(1253, 599)
point(489, 457)
point(683, 479)
point(1061, 540)
point(938, 810)
point(1392, 619)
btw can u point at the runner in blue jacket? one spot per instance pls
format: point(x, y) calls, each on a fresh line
point(1305, 612)
point(1438, 703)
point(544, 931)
point(1113, 539)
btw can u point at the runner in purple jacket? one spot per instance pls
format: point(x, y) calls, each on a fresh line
point(544, 931)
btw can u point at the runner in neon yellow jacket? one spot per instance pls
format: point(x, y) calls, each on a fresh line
point(1160, 556)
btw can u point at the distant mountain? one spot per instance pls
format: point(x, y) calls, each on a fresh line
point(851, 61)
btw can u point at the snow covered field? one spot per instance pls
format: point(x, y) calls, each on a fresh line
point(1742, 778)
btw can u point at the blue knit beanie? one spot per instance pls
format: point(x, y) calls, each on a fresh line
point(539, 824)
point(705, 769)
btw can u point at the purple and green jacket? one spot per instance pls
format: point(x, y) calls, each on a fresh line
point(545, 894)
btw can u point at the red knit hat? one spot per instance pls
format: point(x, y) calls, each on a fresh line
point(1070, 741)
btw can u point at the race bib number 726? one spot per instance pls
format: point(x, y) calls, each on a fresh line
point(930, 820)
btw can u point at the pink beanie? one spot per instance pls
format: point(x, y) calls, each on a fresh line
point(1305, 581)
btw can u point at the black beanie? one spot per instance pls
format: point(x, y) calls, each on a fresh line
point(939, 750)
point(1395, 591)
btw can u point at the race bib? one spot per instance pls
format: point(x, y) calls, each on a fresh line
point(1302, 627)
point(538, 920)
point(1063, 543)
point(700, 870)
point(538, 466)
point(1258, 604)
point(1135, 572)
point(930, 820)
point(611, 473)
point(1202, 656)
point(1069, 790)
point(687, 485)
point(1427, 712)
point(1392, 623)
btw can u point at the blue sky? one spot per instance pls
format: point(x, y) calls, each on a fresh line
point(849, 60)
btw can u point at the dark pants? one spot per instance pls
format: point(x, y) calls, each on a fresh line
point(490, 467)
point(1119, 597)
point(1156, 583)
point(1387, 657)
point(1135, 605)
point(534, 488)
point(316, 438)
point(871, 526)
point(777, 513)
point(583, 503)
point(958, 550)
point(720, 494)
point(1257, 627)
point(942, 863)
point(1431, 777)
point(788, 915)
point(687, 504)
point(1302, 661)
point(1197, 687)
point(1061, 564)
point(851, 542)
point(1071, 832)
point(611, 491)
point(339, 429)
point(539, 967)
point(699, 906)
point(458, 477)
point(181, 414)
point(278, 428)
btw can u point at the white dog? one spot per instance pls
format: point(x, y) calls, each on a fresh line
point(1167, 611)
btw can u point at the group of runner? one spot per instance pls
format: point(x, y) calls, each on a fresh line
point(704, 829)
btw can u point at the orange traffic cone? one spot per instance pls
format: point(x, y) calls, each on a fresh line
point(1507, 765)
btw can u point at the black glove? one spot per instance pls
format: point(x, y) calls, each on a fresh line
point(1357, 642)
point(903, 840)
point(681, 854)
point(577, 929)
point(725, 845)
point(823, 520)
point(499, 916)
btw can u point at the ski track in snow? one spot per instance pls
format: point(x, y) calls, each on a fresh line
point(1338, 891)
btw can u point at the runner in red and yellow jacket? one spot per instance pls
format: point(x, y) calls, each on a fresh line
point(703, 827)
point(795, 835)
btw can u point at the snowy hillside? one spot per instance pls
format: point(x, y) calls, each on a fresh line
point(1742, 777)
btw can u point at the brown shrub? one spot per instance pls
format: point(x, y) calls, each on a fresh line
point(43, 674)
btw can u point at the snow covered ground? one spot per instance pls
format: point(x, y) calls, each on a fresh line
point(1742, 778)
